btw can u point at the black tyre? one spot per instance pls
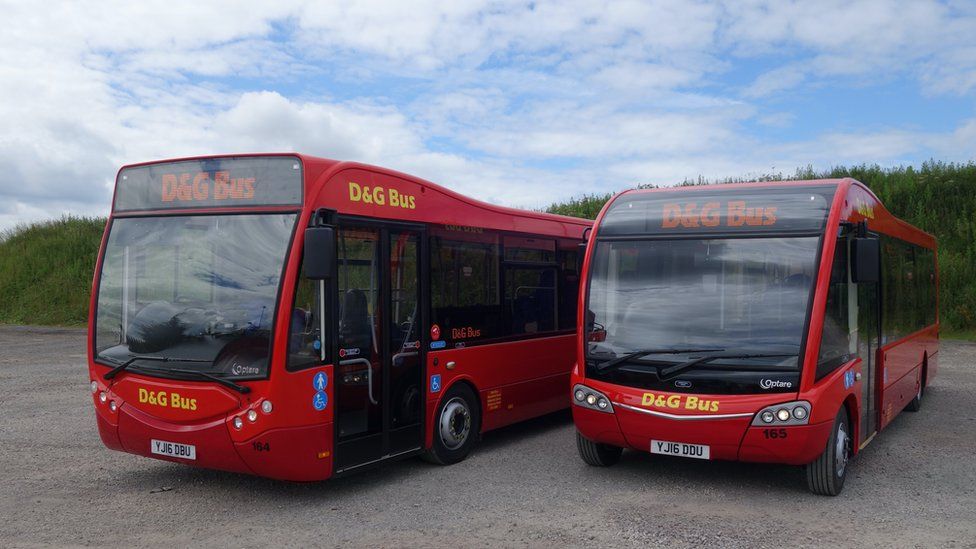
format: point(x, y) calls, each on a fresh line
point(825, 476)
point(456, 427)
point(916, 403)
point(597, 454)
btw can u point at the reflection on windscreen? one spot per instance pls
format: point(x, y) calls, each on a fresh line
point(200, 288)
point(734, 294)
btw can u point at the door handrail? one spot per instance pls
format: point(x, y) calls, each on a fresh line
point(369, 374)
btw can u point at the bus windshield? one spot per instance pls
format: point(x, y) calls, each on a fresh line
point(740, 296)
point(191, 292)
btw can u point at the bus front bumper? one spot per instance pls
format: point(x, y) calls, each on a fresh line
point(295, 454)
point(729, 436)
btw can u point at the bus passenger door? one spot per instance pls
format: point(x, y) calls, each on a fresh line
point(379, 392)
point(868, 341)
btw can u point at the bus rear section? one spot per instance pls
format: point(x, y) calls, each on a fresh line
point(299, 318)
point(752, 322)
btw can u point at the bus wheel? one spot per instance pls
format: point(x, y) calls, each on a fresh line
point(596, 454)
point(456, 426)
point(916, 403)
point(826, 474)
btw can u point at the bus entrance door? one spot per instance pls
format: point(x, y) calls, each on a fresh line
point(868, 341)
point(379, 390)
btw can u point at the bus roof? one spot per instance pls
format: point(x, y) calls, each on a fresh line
point(884, 220)
point(319, 170)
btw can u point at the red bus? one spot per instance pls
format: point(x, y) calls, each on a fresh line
point(782, 322)
point(297, 318)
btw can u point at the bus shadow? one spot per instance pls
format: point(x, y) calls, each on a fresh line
point(157, 477)
point(676, 473)
point(511, 434)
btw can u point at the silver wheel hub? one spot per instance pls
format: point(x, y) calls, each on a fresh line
point(455, 424)
point(842, 449)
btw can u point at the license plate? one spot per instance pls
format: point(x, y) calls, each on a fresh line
point(683, 449)
point(173, 449)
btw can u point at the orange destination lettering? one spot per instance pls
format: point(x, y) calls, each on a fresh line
point(672, 216)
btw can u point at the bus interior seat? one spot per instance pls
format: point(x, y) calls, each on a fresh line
point(354, 328)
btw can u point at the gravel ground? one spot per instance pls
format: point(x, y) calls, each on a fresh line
point(915, 485)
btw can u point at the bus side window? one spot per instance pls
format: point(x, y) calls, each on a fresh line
point(304, 340)
point(835, 341)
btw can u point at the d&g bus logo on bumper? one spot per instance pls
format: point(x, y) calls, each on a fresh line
point(675, 402)
point(381, 196)
point(710, 214)
point(166, 400)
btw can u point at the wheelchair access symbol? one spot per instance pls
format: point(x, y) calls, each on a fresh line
point(320, 381)
point(435, 383)
point(320, 401)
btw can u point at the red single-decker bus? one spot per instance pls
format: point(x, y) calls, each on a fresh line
point(296, 318)
point(781, 322)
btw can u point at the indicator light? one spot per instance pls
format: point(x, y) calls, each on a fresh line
point(252, 415)
point(94, 387)
point(784, 413)
point(238, 422)
point(266, 407)
point(585, 397)
point(102, 396)
point(112, 406)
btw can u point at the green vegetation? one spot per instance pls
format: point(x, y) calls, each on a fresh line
point(46, 268)
point(938, 197)
point(46, 271)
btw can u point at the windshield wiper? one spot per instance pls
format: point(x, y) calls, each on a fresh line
point(115, 371)
point(225, 382)
point(614, 362)
point(671, 370)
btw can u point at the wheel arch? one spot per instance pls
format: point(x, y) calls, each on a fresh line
point(455, 382)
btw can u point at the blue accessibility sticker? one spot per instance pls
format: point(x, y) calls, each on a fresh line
point(435, 383)
point(320, 401)
point(849, 379)
point(438, 344)
point(320, 381)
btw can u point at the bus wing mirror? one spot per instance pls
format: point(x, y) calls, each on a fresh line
point(319, 257)
point(866, 259)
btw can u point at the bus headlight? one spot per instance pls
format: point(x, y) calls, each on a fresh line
point(589, 398)
point(102, 397)
point(238, 422)
point(94, 387)
point(252, 415)
point(785, 414)
point(266, 407)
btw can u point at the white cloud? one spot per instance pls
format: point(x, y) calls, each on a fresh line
point(514, 101)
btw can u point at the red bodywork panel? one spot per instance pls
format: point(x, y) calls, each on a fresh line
point(294, 441)
point(899, 369)
point(500, 373)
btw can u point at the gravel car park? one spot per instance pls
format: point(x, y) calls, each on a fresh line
point(524, 486)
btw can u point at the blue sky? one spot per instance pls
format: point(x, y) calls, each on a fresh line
point(518, 103)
